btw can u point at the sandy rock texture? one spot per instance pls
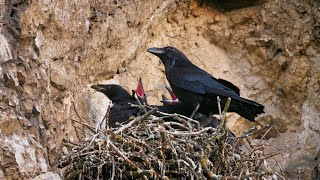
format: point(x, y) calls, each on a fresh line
point(52, 51)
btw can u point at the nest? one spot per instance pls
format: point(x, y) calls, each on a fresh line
point(166, 146)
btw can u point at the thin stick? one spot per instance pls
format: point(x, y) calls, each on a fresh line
point(226, 107)
point(264, 135)
point(82, 131)
point(140, 104)
point(196, 133)
point(75, 109)
point(137, 119)
point(189, 166)
point(219, 107)
point(259, 174)
point(262, 158)
point(175, 124)
point(106, 118)
point(88, 146)
point(223, 120)
point(119, 153)
point(87, 125)
point(113, 168)
point(138, 174)
point(254, 132)
point(181, 116)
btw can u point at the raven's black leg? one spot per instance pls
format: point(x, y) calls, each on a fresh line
point(195, 110)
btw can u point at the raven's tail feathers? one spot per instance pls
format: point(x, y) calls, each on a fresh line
point(246, 108)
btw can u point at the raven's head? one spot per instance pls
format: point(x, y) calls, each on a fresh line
point(139, 92)
point(169, 56)
point(112, 91)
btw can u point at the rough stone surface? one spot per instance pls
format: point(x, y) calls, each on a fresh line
point(51, 52)
point(47, 176)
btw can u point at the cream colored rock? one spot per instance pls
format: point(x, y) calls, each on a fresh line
point(47, 176)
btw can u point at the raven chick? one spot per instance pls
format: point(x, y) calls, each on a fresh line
point(121, 110)
point(199, 89)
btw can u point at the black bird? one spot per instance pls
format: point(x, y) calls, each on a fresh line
point(199, 89)
point(175, 106)
point(121, 110)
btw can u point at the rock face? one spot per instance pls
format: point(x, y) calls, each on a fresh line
point(51, 52)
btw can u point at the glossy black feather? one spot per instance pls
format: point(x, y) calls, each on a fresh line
point(193, 86)
point(121, 110)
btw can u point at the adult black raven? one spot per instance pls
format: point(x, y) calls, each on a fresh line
point(121, 110)
point(199, 89)
point(173, 105)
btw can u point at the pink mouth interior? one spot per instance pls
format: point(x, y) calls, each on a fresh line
point(140, 90)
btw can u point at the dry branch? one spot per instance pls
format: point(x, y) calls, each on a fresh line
point(166, 146)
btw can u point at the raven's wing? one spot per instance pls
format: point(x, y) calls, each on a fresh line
point(121, 112)
point(198, 81)
point(230, 85)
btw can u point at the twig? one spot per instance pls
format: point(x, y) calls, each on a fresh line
point(261, 158)
point(139, 142)
point(226, 107)
point(222, 125)
point(73, 174)
point(219, 107)
point(181, 116)
point(138, 174)
point(118, 152)
point(282, 176)
point(281, 169)
point(113, 168)
point(82, 131)
point(106, 118)
point(175, 124)
point(257, 174)
point(251, 132)
point(87, 125)
point(209, 174)
point(94, 137)
point(189, 166)
point(264, 135)
point(85, 154)
point(70, 142)
point(140, 104)
point(137, 119)
point(75, 110)
point(160, 148)
point(196, 133)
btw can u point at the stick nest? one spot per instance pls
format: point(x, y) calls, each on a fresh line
point(169, 146)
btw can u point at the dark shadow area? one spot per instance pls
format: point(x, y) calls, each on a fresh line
point(229, 5)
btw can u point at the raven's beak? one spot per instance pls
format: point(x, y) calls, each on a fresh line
point(164, 98)
point(133, 93)
point(156, 51)
point(165, 101)
point(98, 87)
point(169, 102)
point(140, 91)
point(173, 96)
